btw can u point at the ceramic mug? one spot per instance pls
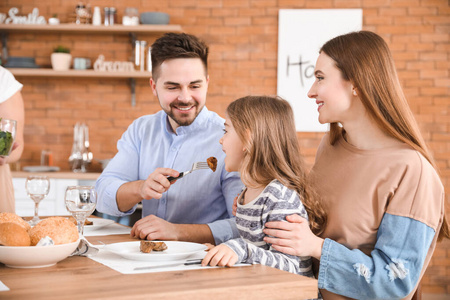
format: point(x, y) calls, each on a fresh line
point(80, 63)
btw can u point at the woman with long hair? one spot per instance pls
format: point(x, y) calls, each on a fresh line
point(376, 178)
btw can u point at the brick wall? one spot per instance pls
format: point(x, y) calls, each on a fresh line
point(243, 39)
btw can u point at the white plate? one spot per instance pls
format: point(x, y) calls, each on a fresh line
point(175, 251)
point(98, 223)
point(35, 256)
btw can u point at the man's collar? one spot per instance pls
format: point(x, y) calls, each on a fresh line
point(198, 123)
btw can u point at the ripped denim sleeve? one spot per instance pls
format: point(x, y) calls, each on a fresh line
point(391, 272)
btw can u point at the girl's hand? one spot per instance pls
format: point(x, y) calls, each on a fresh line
point(221, 255)
point(293, 237)
point(209, 246)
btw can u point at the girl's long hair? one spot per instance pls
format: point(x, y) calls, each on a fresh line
point(266, 128)
point(364, 59)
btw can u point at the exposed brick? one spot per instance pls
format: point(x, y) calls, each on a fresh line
point(243, 40)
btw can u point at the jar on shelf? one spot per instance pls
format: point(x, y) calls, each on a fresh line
point(130, 16)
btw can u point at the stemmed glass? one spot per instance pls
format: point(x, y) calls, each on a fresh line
point(80, 202)
point(37, 188)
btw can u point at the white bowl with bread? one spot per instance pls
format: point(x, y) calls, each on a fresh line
point(18, 241)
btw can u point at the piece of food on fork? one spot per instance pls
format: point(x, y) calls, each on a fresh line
point(212, 163)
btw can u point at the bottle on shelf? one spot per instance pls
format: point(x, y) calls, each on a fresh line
point(139, 55)
point(106, 19)
point(112, 15)
point(97, 17)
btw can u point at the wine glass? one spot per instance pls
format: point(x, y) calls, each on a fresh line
point(80, 202)
point(37, 188)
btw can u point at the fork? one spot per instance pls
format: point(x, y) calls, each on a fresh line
point(195, 166)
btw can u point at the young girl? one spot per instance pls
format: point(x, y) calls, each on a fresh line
point(260, 142)
point(383, 197)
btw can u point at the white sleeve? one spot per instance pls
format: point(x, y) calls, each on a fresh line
point(8, 85)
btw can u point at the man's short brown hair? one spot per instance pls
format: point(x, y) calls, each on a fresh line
point(177, 45)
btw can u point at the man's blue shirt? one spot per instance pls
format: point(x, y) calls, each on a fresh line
point(202, 197)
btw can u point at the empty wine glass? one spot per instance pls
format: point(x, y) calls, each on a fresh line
point(80, 202)
point(37, 188)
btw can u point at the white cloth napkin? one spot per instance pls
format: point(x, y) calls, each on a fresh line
point(126, 266)
point(3, 287)
point(110, 229)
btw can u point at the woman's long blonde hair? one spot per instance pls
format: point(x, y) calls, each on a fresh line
point(364, 59)
point(266, 128)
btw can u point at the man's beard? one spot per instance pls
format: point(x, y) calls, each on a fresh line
point(183, 121)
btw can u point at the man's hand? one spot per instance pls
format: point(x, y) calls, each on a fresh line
point(131, 193)
point(221, 255)
point(156, 183)
point(153, 228)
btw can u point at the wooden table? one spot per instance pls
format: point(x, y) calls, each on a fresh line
point(82, 278)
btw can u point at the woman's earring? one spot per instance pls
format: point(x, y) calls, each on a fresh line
point(354, 93)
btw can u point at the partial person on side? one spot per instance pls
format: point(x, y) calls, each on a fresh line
point(376, 177)
point(196, 208)
point(11, 107)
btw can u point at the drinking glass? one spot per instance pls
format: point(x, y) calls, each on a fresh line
point(37, 188)
point(80, 202)
point(7, 136)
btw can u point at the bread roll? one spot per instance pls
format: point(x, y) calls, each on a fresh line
point(12, 217)
point(13, 234)
point(59, 229)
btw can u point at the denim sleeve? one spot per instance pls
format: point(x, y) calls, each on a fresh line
point(224, 230)
point(391, 272)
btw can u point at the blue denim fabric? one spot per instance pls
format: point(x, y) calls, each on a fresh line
point(391, 272)
point(203, 197)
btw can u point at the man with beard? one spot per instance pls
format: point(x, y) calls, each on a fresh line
point(198, 207)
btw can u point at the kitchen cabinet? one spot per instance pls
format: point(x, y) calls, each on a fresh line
point(75, 29)
point(53, 203)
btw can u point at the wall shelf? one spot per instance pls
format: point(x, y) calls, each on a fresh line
point(84, 28)
point(71, 28)
point(24, 72)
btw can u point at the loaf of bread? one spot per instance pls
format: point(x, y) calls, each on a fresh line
point(13, 234)
point(12, 217)
point(149, 246)
point(59, 229)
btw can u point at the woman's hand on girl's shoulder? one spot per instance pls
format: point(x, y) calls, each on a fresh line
point(235, 206)
point(293, 237)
